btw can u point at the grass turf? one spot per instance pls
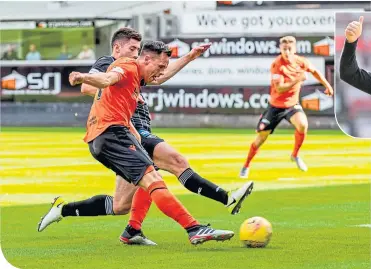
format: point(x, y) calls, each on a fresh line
point(312, 228)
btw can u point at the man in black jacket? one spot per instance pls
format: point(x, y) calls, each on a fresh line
point(349, 69)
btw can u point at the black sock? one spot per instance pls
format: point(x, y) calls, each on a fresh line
point(195, 183)
point(99, 205)
point(132, 231)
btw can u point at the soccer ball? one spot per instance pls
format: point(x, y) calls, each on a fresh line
point(255, 232)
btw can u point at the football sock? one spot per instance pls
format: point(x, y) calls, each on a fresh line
point(197, 184)
point(131, 231)
point(139, 208)
point(98, 205)
point(170, 205)
point(299, 139)
point(252, 152)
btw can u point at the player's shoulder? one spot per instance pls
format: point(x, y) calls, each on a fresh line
point(106, 59)
point(277, 62)
point(101, 64)
point(124, 65)
point(126, 62)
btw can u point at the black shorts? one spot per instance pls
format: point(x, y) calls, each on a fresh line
point(119, 150)
point(149, 141)
point(274, 115)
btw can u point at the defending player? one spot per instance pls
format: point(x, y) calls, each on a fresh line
point(287, 76)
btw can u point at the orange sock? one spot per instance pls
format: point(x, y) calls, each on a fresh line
point(170, 205)
point(252, 152)
point(139, 208)
point(299, 139)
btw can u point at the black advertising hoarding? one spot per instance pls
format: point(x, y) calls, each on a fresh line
point(40, 83)
point(229, 100)
point(49, 83)
point(251, 46)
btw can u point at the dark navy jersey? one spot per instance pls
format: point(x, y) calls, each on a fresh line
point(141, 118)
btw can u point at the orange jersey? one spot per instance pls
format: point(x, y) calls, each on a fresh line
point(115, 104)
point(288, 71)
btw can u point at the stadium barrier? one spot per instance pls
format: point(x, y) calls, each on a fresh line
point(38, 94)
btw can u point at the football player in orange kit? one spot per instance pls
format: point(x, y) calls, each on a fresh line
point(114, 142)
point(288, 72)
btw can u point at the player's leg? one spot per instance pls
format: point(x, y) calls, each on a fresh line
point(254, 148)
point(171, 207)
point(125, 156)
point(168, 159)
point(300, 122)
point(98, 205)
point(119, 151)
point(123, 196)
point(267, 123)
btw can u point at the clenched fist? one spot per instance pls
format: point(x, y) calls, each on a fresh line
point(329, 91)
point(354, 30)
point(76, 78)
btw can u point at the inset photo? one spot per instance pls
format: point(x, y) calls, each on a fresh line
point(353, 73)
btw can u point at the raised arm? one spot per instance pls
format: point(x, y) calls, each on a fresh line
point(176, 66)
point(349, 69)
point(98, 80)
point(100, 66)
point(321, 78)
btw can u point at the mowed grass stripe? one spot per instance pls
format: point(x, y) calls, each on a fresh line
point(216, 156)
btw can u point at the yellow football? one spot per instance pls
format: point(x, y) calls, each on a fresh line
point(255, 232)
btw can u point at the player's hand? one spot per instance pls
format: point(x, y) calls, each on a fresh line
point(76, 78)
point(197, 51)
point(329, 91)
point(354, 30)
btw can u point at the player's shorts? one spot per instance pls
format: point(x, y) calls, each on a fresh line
point(149, 141)
point(119, 150)
point(272, 116)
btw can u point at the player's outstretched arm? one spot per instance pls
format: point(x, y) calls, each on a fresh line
point(98, 80)
point(321, 78)
point(176, 66)
point(349, 69)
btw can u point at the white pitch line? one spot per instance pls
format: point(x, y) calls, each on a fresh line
point(363, 225)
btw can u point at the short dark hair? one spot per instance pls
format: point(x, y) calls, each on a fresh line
point(157, 47)
point(125, 33)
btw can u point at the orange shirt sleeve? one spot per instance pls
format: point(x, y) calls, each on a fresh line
point(123, 69)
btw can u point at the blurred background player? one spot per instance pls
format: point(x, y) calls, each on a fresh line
point(349, 70)
point(126, 43)
point(287, 76)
